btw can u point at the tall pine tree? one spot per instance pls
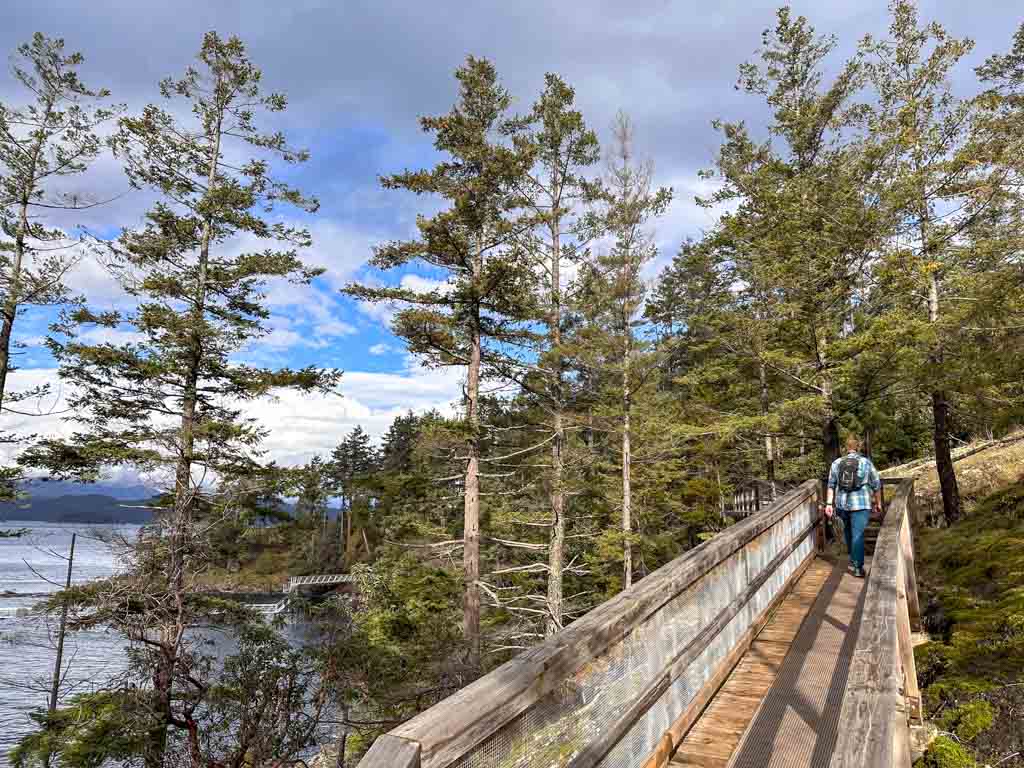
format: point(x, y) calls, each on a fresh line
point(476, 314)
point(615, 290)
point(44, 144)
point(171, 402)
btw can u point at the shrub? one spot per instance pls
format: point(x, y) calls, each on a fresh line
point(944, 752)
point(969, 720)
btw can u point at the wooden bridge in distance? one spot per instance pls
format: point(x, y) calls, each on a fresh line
point(745, 652)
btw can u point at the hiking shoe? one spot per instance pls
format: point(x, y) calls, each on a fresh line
point(859, 573)
point(851, 568)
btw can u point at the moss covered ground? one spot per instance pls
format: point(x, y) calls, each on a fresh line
point(971, 579)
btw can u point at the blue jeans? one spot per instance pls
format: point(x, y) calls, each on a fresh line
point(854, 523)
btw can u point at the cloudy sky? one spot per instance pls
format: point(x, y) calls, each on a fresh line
point(358, 75)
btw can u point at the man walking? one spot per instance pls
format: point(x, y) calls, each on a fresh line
point(856, 488)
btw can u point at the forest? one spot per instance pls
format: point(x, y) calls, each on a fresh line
point(863, 275)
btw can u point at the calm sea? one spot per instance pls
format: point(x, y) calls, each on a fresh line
point(30, 568)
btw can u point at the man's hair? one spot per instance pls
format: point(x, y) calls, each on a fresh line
point(853, 443)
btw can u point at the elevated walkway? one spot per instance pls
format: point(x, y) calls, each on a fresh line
point(745, 652)
point(780, 706)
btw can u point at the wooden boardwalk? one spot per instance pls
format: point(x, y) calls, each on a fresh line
point(680, 669)
point(780, 704)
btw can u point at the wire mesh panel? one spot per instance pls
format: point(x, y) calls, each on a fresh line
point(644, 736)
point(585, 707)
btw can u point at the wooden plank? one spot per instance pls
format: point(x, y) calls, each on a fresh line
point(910, 689)
point(870, 728)
point(901, 743)
point(689, 716)
point(393, 752)
point(907, 546)
point(723, 723)
point(451, 728)
point(596, 750)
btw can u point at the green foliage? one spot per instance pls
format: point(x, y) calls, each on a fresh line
point(403, 649)
point(968, 720)
point(44, 144)
point(87, 732)
point(971, 574)
point(946, 753)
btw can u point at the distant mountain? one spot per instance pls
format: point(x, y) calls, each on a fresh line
point(49, 489)
point(78, 508)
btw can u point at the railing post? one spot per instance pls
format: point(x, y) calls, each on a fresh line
point(911, 691)
point(819, 510)
point(907, 548)
point(392, 752)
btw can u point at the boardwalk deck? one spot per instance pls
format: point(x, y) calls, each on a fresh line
point(780, 704)
point(759, 644)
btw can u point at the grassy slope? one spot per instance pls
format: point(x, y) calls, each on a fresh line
point(979, 474)
point(971, 577)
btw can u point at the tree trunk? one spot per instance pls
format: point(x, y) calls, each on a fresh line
point(769, 449)
point(829, 426)
point(10, 306)
point(55, 686)
point(557, 539)
point(627, 501)
point(471, 522)
point(184, 496)
point(556, 544)
point(342, 738)
point(940, 417)
point(13, 298)
point(346, 555)
point(944, 460)
point(830, 441)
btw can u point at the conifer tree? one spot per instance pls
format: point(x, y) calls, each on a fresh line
point(469, 320)
point(350, 467)
point(922, 129)
point(554, 196)
point(44, 144)
point(614, 289)
point(803, 233)
point(170, 402)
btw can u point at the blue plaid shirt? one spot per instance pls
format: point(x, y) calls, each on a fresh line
point(868, 479)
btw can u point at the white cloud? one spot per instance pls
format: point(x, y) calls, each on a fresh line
point(422, 284)
point(104, 335)
point(300, 425)
point(303, 426)
point(382, 312)
point(384, 349)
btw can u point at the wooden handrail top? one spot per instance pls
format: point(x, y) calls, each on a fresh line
point(874, 729)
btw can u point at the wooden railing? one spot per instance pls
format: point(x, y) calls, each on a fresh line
point(881, 692)
point(624, 683)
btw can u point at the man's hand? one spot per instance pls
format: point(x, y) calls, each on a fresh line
point(829, 511)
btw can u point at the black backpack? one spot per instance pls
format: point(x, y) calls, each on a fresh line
point(849, 474)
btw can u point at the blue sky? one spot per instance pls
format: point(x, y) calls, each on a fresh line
point(358, 76)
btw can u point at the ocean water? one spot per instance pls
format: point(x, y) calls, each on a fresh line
point(30, 568)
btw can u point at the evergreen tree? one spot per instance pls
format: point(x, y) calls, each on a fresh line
point(170, 402)
point(477, 312)
point(43, 145)
point(352, 463)
point(615, 291)
point(554, 196)
point(922, 130)
point(802, 236)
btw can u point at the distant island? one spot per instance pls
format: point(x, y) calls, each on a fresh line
point(77, 508)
